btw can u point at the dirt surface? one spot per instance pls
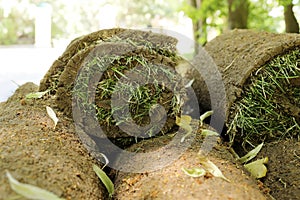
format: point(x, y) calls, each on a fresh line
point(171, 182)
point(283, 169)
point(36, 154)
point(55, 160)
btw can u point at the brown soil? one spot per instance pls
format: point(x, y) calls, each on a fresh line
point(171, 182)
point(36, 154)
point(283, 169)
point(55, 160)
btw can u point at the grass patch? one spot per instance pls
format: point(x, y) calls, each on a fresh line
point(143, 98)
point(270, 105)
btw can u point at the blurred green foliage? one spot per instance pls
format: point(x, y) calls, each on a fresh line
point(143, 12)
point(77, 17)
point(264, 15)
point(260, 17)
point(16, 24)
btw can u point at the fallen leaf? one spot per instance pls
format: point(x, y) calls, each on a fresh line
point(184, 119)
point(184, 122)
point(251, 154)
point(257, 168)
point(52, 115)
point(105, 179)
point(206, 132)
point(194, 172)
point(36, 95)
point(30, 191)
point(204, 116)
point(212, 168)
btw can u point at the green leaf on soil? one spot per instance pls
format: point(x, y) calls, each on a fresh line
point(105, 179)
point(212, 168)
point(206, 132)
point(52, 115)
point(36, 95)
point(204, 116)
point(194, 172)
point(30, 191)
point(251, 154)
point(184, 122)
point(257, 168)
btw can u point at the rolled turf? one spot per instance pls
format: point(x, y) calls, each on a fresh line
point(121, 51)
point(261, 75)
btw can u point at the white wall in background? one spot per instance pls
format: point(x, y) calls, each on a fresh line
point(21, 65)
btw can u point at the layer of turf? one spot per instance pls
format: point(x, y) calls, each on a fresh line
point(270, 105)
point(139, 79)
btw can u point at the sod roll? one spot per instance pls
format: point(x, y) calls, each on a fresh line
point(171, 182)
point(139, 65)
point(261, 74)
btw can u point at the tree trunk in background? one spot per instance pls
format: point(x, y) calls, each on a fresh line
point(291, 24)
point(238, 11)
point(199, 26)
